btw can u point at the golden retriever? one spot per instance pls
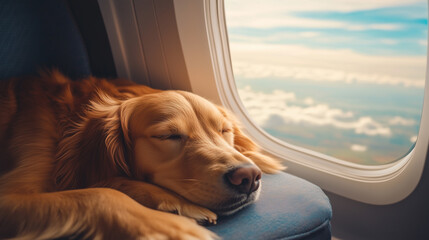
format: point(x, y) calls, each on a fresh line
point(98, 159)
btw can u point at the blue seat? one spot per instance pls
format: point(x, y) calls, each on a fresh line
point(43, 34)
point(40, 35)
point(288, 208)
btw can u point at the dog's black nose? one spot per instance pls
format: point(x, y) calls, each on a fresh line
point(245, 179)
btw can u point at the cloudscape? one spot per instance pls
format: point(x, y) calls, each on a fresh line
point(344, 78)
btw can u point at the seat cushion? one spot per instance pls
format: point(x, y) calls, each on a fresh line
point(288, 208)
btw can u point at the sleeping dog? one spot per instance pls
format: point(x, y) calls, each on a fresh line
point(112, 159)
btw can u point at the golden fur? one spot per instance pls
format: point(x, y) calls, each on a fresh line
point(105, 159)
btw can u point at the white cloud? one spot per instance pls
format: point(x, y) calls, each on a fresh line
point(397, 120)
point(258, 60)
point(261, 106)
point(413, 139)
point(423, 42)
point(280, 13)
point(308, 34)
point(273, 21)
point(309, 101)
point(358, 148)
point(252, 71)
point(388, 41)
point(281, 6)
point(286, 36)
point(386, 27)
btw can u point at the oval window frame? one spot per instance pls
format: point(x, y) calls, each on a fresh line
point(204, 40)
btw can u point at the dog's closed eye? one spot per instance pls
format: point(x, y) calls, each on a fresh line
point(225, 130)
point(173, 137)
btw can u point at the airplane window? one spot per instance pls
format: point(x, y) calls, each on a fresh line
point(343, 78)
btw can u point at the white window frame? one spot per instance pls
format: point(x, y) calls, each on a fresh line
point(204, 41)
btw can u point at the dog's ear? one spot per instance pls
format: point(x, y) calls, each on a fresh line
point(117, 140)
point(115, 116)
point(95, 148)
point(250, 149)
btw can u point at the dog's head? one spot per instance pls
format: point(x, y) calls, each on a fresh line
point(194, 148)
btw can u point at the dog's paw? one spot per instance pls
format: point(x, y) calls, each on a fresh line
point(168, 226)
point(187, 209)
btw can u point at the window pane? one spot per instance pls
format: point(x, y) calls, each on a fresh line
point(344, 78)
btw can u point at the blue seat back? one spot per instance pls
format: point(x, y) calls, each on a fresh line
point(40, 35)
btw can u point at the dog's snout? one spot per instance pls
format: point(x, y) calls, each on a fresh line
point(244, 179)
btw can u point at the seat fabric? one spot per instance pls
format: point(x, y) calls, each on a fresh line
point(288, 208)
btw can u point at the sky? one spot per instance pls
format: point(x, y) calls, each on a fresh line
point(355, 67)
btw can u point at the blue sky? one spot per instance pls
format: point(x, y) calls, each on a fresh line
point(396, 30)
point(380, 42)
point(407, 35)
